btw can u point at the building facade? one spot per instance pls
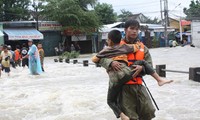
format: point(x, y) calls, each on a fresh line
point(48, 33)
point(195, 30)
point(1, 34)
point(51, 31)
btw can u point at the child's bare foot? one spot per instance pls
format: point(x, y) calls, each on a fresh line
point(162, 82)
point(124, 117)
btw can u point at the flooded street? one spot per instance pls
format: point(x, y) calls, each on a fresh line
point(73, 92)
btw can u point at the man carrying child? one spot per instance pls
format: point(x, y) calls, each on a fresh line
point(134, 101)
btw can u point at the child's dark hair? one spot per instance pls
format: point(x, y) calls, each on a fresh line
point(17, 47)
point(24, 45)
point(131, 22)
point(115, 36)
point(5, 47)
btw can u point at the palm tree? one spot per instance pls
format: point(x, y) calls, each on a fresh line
point(84, 3)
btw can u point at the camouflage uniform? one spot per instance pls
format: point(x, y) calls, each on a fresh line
point(134, 100)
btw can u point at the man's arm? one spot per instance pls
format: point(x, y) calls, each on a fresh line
point(147, 56)
point(106, 63)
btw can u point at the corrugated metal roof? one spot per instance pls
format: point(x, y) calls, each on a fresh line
point(109, 27)
point(112, 25)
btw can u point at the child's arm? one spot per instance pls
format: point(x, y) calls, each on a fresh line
point(95, 59)
point(101, 54)
point(132, 47)
point(118, 50)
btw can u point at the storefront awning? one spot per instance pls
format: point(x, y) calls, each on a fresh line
point(185, 22)
point(23, 34)
point(1, 34)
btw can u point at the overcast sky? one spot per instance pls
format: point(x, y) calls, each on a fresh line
point(149, 8)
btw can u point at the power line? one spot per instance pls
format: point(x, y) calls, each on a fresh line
point(146, 6)
point(136, 4)
point(177, 6)
point(152, 12)
point(175, 15)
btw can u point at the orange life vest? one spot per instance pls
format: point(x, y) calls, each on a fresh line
point(139, 55)
point(17, 55)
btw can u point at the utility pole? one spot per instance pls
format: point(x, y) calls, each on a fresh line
point(161, 12)
point(181, 37)
point(165, 20)
point(36, 13)
point(167, 13)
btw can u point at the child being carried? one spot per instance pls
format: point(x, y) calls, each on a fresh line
point(117, 52)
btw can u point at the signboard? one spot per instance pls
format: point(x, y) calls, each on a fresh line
point(23, 34)
point(50, 26)
point(185, 22)
point(25, 37)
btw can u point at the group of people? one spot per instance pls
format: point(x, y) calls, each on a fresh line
point(126, 61)
point(69, 47)
point(33, 58)
point(174, 43)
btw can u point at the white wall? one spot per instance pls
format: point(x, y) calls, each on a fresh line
point(195, 30)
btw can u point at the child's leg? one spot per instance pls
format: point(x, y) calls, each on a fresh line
point(149, 70)
point(42, 68)
point(160, 80)
point(13, 64)
point(19, 63)
point(112, 100)
point(7, 70)
point(115, 86)
point(112, 97)
point(124, 117)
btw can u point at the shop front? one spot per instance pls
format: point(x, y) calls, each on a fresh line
point(51, 31)
point(48, 33)
point(17, 33)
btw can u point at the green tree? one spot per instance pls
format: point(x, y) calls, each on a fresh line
point(124, 15)
point(11, 10)
point(1, 10)
point(106, 13)
point(84, 3)
point(71, 14)
point(193, 11)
